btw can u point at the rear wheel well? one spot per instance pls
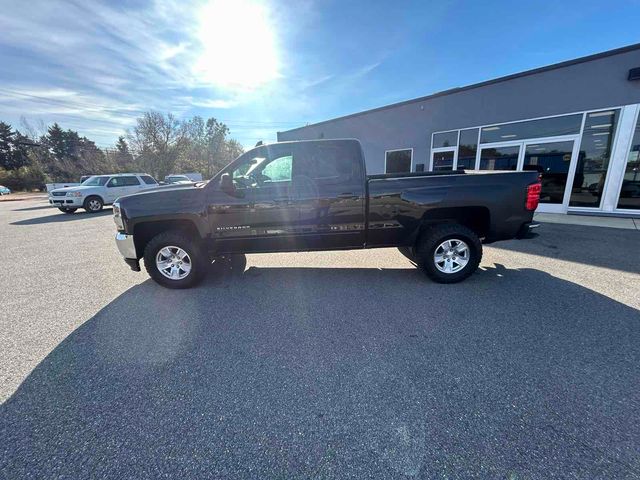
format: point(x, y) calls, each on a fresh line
point(144, 232)
point(476, 219)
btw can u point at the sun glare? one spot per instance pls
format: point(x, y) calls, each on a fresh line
point(239, 49)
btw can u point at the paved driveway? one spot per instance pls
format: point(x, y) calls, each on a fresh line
point(318, 365)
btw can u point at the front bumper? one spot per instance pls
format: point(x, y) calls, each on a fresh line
point(127, 248)
point(67, 202)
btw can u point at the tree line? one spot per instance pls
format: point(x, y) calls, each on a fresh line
point(158, 144)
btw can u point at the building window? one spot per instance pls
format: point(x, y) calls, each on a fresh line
point(544, 127)
point(552, 161)
point(398, 161)
point(468, 149)
point(443, 160)
point(445, 139)
point(499, 158)
point(630, 189)
point(593, 160)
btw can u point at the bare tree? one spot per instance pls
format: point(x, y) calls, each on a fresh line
point(156, 141)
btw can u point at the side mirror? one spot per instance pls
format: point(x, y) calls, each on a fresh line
point(226, 183)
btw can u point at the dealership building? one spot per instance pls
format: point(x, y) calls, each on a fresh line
point(576, 122)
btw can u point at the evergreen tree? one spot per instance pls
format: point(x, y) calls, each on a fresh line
point(56, 141)
point(6, 141)
point(13, 153)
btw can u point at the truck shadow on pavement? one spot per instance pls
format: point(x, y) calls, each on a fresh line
point(63, 217)
point(323, 372)
point(582, 244)
point(29, 209)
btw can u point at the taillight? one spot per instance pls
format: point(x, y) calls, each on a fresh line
point(533, 196)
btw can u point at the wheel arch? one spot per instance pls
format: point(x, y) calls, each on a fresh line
point(94, 195)
point(475, 218)
point(144, 231)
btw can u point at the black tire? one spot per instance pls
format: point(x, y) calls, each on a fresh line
point(93, 204)
point(199, 260)
point(431, 240)
point(67, 210)
point(408, 252)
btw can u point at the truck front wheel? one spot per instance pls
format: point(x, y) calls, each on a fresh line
point(175, 260)
point(449, 253)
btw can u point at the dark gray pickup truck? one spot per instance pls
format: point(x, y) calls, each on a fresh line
point(316, 195)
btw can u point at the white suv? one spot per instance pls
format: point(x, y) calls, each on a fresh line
point(99, 190)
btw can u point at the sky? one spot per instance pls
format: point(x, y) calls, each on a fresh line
point(263, 66)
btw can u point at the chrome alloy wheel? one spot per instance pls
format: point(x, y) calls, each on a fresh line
point(94, 205)
point(451, 256)
point(173, 262)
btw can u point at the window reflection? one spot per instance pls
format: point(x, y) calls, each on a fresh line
point(468, 148)
point(445, 139)
point(442, 161)
point(552, 161)
point(630, 190)
point(593, 160)
point(545, 127)
point(398, 161)
point(499, 158)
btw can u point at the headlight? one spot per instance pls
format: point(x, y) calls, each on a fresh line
point(74, 194)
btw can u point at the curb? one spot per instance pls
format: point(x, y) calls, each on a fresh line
point(42, 197)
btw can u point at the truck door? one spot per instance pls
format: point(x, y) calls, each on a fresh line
point(258, 214)
point(329, 191)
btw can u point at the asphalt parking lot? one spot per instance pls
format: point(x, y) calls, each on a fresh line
point(317, 365)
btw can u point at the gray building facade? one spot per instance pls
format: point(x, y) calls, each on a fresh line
point(576, 122)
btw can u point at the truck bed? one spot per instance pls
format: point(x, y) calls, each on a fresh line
point(493, 201)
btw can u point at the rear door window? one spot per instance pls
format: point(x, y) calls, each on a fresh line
point(148, 180)
point(329, 162)
point(130, 181)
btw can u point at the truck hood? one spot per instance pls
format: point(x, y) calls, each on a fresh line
point(165, 200)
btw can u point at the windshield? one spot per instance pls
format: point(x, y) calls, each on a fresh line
point(97, 181)
point(178, 178)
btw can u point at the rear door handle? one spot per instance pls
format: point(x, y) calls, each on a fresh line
point(347, 195)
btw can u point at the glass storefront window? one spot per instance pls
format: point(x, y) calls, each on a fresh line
point(445, 139)
point(552, 161)
point(442, 161)
point(545, 127)
point(594, 157)
point(499, 158)
point(630, 189)
point(468, 148)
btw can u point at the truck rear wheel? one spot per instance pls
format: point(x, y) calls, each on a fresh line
point(449, 253)
point(175, 260)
